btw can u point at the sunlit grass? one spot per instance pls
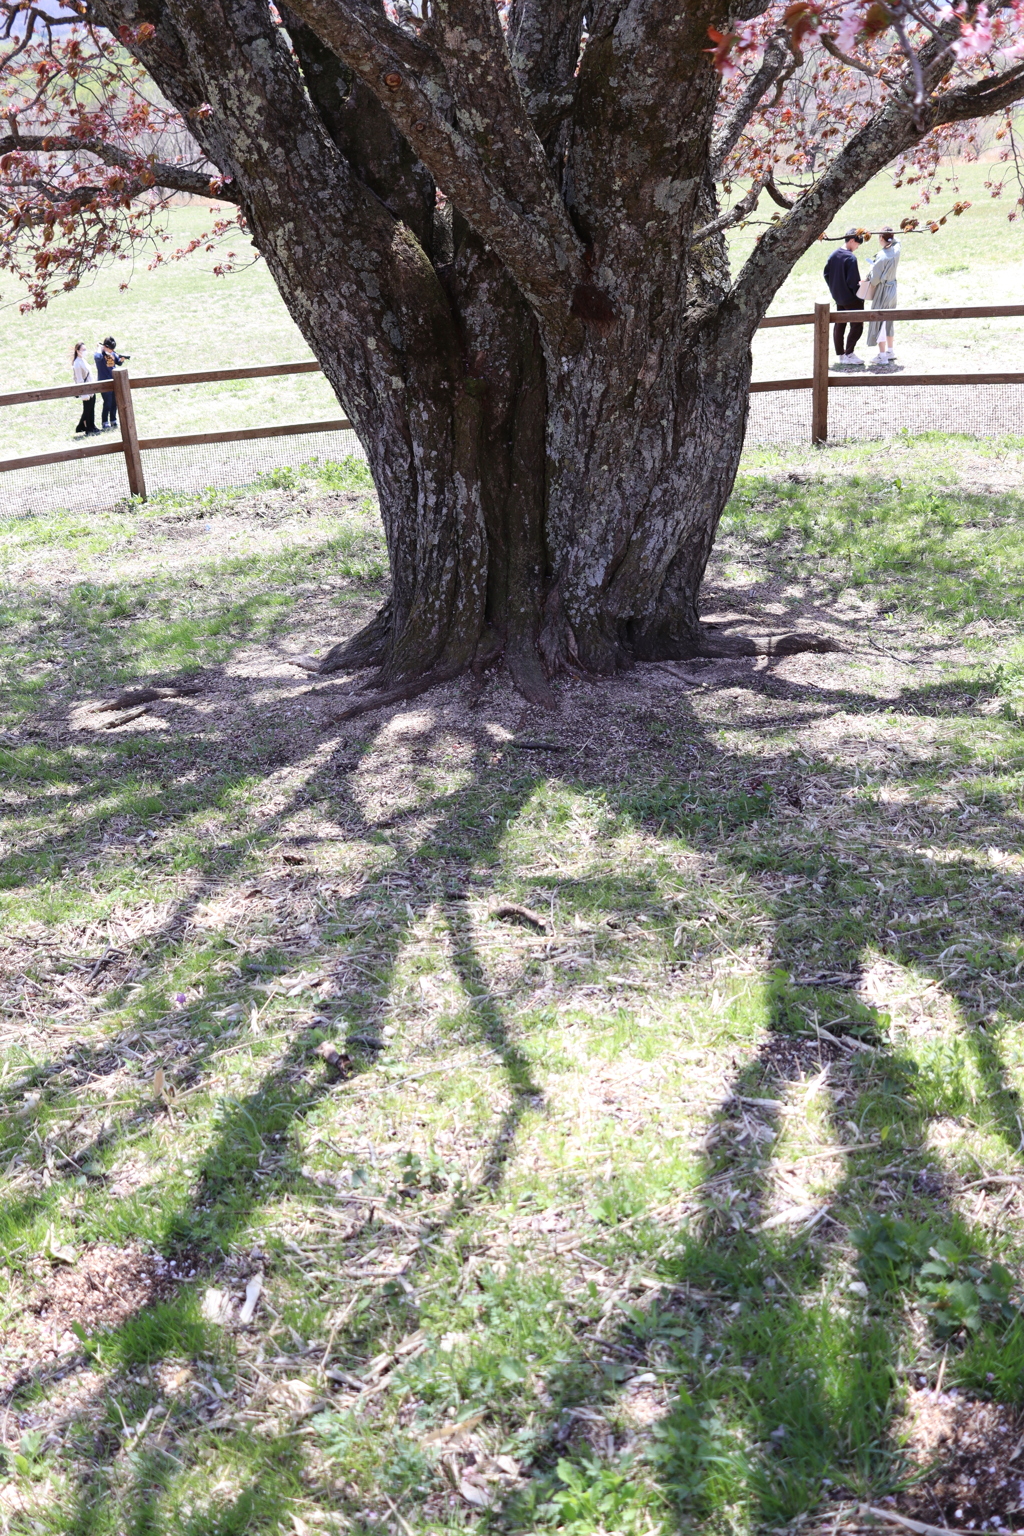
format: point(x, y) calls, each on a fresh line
point(572, 1238)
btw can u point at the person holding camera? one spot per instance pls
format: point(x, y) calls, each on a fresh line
point(842, 274)
point(107, 359)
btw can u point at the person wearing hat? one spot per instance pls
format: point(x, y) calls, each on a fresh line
point(882, 277)
point(107, 359)
point(842, 274)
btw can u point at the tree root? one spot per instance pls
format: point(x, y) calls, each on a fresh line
point(146, 696)
point(397, 695)
point(527, 672)
point(524, 663)
point(716, 646)
point(367, 648)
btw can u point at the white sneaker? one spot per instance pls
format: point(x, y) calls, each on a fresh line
point(853, 361)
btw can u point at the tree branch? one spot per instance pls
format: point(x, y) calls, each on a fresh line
point(776, 196)
point(738, 211)
point(982, 98)
point(776, 54)
point(544, 45)
point(471, 44)
point(174, 178)
point(829, 45)
point(500, 184)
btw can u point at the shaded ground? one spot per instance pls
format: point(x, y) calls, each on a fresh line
point(687, 1199)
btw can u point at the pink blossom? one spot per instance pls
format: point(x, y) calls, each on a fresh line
point(974, 38)
point(849, 27)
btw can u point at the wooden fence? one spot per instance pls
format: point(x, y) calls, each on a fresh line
point(820, 382)
point(132, 445)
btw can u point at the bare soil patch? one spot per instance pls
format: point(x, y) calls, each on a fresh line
point(98, 1291)
point(971, 1455)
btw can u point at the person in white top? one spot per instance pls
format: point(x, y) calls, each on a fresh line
point(80, 369)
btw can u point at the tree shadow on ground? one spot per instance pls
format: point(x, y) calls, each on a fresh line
point(250, 1162)
point(789, 1381)
point(787, 1357)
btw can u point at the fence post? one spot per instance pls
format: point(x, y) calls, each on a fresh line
point(819, 384)
point(129, 434)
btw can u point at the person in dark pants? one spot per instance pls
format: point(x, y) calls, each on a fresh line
point(842, 274)
point(80, 370)
point(107, 359)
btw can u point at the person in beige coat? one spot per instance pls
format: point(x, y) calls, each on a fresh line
point(882, 277)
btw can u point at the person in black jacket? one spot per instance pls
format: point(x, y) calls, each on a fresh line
point(107, 359)
point(842, 274)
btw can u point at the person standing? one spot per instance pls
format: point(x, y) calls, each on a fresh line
point(842, 274)
point(882, 277)
point(107, 359)
point(80, 369)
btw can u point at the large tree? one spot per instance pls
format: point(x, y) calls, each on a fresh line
point(501, 233)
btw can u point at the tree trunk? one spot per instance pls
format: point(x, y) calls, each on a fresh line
point(550, 475)
point(597, 563)
point(645, 459)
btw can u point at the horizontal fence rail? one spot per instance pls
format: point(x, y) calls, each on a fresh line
point(188, 440)
point(132, 446)
point(968, 312)
point(823, 317)
point(820, 382)
point(874, 381)
point(160, 381)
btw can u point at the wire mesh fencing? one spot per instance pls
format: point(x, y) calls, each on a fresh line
point(781, 418)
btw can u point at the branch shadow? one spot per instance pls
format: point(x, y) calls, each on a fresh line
point(791, 1370)
point(791, 1356)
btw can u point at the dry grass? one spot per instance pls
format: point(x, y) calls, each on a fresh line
point(455, 1221)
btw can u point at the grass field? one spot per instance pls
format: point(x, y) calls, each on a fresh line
point(466, 1118)
point(180, 317)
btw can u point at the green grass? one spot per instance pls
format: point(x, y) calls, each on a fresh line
point(529, 1262)
point(937, 550)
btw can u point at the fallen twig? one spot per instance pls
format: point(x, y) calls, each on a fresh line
point(512, 909)
point(100, 963)
point(846, 1042)
point(920, 1526)
point(133, 714)
point(406, 1527)
point(837, 1151)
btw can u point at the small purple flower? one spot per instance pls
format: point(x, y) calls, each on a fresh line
point(180, 999)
